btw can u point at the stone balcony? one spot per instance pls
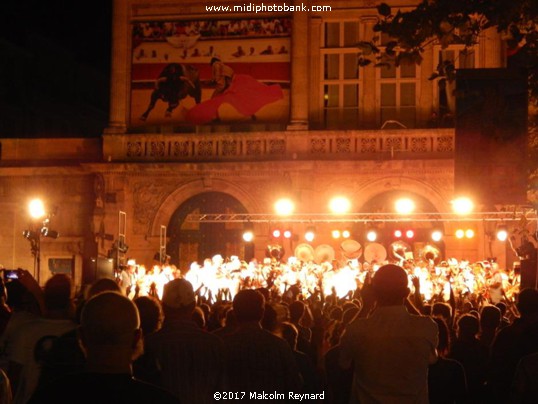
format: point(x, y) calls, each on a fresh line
point(288, 146)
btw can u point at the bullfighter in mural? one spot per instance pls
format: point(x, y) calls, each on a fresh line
point(243, 92)
point(176, 82)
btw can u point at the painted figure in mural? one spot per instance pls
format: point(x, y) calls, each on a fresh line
point(176, 82)
point(221, 76)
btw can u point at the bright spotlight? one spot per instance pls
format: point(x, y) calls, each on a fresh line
point(460, 233)
point(248, 236)
point(409, 234)
point(340, 205)
point(371, 235)
point(502, 233)
point(310, 235)
point(36, 208)
point(462, 206)
point(336, 233)
point(397, 233)
point(404, 206)
point(437, 235)
point(287, 233)
point(284, 207)
point(276, 233)
point(346, 234)
point(469, 233)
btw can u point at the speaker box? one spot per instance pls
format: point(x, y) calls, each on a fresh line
point(529, 272)
point(97, 268)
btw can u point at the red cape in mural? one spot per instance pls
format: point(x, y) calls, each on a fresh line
point(246, 94)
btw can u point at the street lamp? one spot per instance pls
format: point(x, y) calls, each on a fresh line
point(39, 227)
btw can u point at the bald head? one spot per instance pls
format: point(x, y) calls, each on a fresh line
point(109, 319)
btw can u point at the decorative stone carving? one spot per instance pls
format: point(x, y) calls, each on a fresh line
point(134, 149)
point(230, 147)
point(254, 147)
point(277, 146)
point(419, 144)
point(343, 145)
point(319, 146)
point(205, 148)
point(181, 149)
point(148, 196)
point(157, 149)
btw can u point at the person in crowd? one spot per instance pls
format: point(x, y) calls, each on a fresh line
point(65, 356)
point(446, 377)
point(110, 336)
point(190, 359)
point(24, 308)
point(230, 324)
point(391, 349)
point(472, 354)
point(310, 378)
point(255, 359)
point(339, 380)
point(513, 343)
point(5, 311)
point(490, 321)
point(524, 386)
point(57, 320)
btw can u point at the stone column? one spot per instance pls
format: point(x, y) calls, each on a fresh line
point(299, 72)
point(120, 69)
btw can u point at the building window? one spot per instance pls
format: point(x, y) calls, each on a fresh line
point(454, 57)
point(341, 79)
point(398, 93)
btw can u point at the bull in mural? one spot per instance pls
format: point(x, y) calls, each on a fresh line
point(176, 82)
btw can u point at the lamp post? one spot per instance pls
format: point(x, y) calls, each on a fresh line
point(39, 226)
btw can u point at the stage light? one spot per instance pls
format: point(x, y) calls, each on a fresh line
point(460, 233)
point(284, 207)
point(462, 206)
point(397, 233)
point(437, 235)
point(339, 205)
point(409, 234)
point(502, 233)
point(469, 233)
point(248, 236)
point(36, 208)
point(346, 234)
point(336, 233)
point(276, 233)
point(404, 206)
point(287, 233)
point(310, 234)
point(46, 232)
point(371, 235)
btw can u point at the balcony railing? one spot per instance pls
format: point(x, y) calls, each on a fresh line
point(291, 145)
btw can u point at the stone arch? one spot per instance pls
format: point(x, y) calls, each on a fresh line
point(421, 188)
point(193, 188)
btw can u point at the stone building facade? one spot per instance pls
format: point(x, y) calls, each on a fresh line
point(362, 132)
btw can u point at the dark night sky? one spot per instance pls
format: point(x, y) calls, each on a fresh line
point(82, 28)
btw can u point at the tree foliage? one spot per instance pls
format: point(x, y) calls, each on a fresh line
point(447, 22)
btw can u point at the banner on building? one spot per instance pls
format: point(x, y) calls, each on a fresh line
point(210, 71)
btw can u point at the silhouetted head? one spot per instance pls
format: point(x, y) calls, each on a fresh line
point(249, 306)
point(390, 285)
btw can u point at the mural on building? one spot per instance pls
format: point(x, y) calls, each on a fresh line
point(212, 71)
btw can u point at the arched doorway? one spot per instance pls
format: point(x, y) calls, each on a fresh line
point(196, 241)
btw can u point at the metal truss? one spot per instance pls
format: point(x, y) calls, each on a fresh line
point(500, 216)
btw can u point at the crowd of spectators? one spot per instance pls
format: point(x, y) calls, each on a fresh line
point(379, 344)
point(160, 30)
